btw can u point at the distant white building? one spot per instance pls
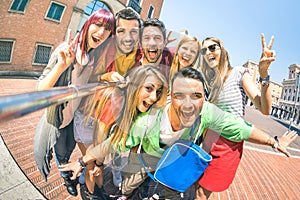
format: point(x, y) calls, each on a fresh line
point(289, 102)
point(276, 88)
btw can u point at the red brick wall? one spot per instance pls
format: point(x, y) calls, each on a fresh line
point(157, 4)
point(29, 28)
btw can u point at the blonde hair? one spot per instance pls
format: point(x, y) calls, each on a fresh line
point(175, 67)
point(215, 78)
point(129, 111)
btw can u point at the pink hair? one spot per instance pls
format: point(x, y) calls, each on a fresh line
point(102, 15)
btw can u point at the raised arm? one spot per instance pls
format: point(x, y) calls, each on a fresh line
point(236, 129)
point(60, 60)
point(261, 98)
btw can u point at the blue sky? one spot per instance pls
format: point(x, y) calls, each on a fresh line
point(239, 25)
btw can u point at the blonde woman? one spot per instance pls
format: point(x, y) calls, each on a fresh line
point(187, 54)
point(115, 110)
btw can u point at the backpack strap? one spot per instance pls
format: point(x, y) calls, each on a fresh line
point(151, 119)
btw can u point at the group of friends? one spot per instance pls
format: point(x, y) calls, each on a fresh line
point(174, 87)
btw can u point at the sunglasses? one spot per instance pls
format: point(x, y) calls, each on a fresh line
point(211, 48)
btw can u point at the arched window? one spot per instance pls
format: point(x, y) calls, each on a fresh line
point(89, 9)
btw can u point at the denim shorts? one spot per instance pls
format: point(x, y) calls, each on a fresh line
point(83, 132)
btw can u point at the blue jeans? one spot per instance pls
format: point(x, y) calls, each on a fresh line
point(64, 146)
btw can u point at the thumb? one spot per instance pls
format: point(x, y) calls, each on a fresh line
point(284, 151)
point(93, 171)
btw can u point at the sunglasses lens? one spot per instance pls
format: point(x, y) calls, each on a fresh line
point(212, 48)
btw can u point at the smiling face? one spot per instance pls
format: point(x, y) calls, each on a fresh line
point(152, 44)
point(97, 34)
point(212, 54)
point(187, 99)
point(187, 53)
point(149, 93)
point(127, 35)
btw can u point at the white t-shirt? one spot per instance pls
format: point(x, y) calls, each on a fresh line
point(167, 135)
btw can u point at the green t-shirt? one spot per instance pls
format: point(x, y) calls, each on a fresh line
point(147, 126)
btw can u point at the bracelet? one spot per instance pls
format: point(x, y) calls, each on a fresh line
point(264, 81)
point(98, 165)
point(276, 144)
point(81, 162)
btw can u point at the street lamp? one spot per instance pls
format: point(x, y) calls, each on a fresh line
point(297, 88)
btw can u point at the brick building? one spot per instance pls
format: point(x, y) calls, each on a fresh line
point(31, 29)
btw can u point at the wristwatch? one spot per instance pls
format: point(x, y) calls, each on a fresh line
point(276, 144)
point(264, 81)
point(81, 163)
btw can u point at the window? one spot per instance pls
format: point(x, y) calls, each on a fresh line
point(55, 11)
point(42, 54)
point(135, 5)
point(6, 49)
point(89, 9)
point(150, 12)
point(93, 6)
point(18, 5)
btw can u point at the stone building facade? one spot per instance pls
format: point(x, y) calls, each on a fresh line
point(288, 108)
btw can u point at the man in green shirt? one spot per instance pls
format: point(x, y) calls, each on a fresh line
point(163, 127)
point(187, 104)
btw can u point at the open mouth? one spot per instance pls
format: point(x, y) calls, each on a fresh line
point(211, 59)
point(187, 115)
point(128, 45)
point(146, 105)
point(152, 54)
point(185, 58)
point(95, 39)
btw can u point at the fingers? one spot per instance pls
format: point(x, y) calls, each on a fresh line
point(75, 175)
point(63, 168)
point(74, 41)
point(69, 34)
point(95, 172)
point(292, 135)
point(287, 153)
point(271, 42)
point(117, 77)
point(169, 33)
point(263, 41)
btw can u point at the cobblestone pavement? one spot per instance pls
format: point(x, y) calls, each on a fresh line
point(262, 174)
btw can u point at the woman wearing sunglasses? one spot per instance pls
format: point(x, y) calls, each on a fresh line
point(228, 87)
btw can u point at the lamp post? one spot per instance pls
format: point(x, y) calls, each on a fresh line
point(297, 88)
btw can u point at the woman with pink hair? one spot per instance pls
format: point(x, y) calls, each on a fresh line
point(70, 63)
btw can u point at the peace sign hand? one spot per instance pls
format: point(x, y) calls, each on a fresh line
point(267, 56)
point(168, 39)
point(67, 54)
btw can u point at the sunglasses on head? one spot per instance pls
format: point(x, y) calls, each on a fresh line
point(211, 48)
